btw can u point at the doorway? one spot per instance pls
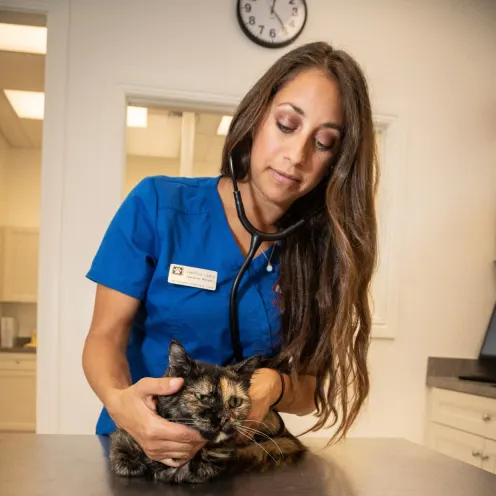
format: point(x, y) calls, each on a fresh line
point(22, 76)
point(162, 140)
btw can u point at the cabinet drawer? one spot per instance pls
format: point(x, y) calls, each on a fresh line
point(17, 362)
point(467, 412)
point(489, 458)
point(463, 446)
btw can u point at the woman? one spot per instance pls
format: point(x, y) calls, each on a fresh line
point(302, 144)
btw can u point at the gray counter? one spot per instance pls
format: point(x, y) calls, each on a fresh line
point(18, 349)
point(444, 373)
point(59, 465)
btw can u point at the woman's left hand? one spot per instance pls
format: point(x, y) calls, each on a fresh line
point(264, 390)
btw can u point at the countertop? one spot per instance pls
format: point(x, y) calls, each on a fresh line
point(444, 373)
point(19, 349)
point(58, 465)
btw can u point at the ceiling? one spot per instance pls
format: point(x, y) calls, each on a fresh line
point(20, 71)
point(161, 137)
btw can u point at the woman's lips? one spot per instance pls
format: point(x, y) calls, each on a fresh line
point(283, 178)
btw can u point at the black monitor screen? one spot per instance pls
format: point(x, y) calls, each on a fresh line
point(488, 348)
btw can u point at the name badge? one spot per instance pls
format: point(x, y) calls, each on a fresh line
point(193, 277)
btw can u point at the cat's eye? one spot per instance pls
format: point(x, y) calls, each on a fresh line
point(235, 402)
point(202, 397)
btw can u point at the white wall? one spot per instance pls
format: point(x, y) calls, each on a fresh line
point(20, 190)
point(22, 187)
point(429, 63)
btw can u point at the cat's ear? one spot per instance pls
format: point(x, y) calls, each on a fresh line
point(180, 364)
point(248, 366)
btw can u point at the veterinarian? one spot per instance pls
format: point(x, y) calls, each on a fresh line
point(302, 145)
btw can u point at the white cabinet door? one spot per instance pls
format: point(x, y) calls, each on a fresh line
point(17, 392)
point(461, 445)
point(19, 262)
point(489, 457)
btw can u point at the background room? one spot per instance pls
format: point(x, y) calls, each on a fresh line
point(432, 77)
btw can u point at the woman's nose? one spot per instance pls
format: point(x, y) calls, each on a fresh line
point(297, 150)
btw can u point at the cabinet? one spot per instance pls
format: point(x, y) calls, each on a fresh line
point(18, 264)
point(463, 426)
point(18, 392)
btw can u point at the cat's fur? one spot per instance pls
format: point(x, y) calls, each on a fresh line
point(214, 400)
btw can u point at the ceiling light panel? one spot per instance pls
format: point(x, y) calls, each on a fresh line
point(137, 116)
point(27, 39)
point(27, 104)
point(224, 125)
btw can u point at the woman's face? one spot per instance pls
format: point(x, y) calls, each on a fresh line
point(298, 135)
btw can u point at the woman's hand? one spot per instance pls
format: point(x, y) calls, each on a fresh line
point(265, 389)
point(134, 410)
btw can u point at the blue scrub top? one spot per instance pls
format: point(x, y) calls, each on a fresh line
point(169, 220)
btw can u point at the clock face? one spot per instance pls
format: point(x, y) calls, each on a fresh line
point(272, 23)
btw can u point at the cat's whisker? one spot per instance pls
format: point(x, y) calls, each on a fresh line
point(251, 439)
point(259, 421)
point(254, 431)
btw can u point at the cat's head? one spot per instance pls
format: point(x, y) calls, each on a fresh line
point(213, 400)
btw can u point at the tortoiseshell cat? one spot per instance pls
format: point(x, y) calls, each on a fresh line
point(214, 400)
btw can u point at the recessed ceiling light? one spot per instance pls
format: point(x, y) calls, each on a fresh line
point(224, 125)
point(18, 38)
point(137, 116)
point(31, 105)
point(27, 104)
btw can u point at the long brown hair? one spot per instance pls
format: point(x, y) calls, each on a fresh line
point(326, 266)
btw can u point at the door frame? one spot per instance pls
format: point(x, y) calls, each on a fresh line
point(52, 199)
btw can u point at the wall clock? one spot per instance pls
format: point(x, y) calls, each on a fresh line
point(272, 23)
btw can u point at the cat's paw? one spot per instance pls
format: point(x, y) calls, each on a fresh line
point(126, 466)
point(165, 474)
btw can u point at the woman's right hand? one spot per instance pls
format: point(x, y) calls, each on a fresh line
point(134, 410)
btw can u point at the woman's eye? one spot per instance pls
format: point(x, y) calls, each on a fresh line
point(323, 146)
point(235, 402)
point(283, 128)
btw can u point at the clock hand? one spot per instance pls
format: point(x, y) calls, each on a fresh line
point(273, 12)
point(280, 20)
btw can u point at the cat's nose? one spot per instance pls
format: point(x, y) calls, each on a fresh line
point(223, 420)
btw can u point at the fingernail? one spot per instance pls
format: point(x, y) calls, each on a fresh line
point(176, 382)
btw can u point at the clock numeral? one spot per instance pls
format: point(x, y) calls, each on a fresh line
point(247, 7)
point(295, 11)
point(251, 20)
point(292, 23)
point(291, 2)
point(272, 33)
point(261, 28)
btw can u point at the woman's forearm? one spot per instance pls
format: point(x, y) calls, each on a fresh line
point(298, 397)
point(105, 366)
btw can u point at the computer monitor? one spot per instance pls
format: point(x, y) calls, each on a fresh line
point(485, 367)
point(488, 347)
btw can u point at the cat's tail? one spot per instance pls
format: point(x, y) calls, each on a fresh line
point(263, 453)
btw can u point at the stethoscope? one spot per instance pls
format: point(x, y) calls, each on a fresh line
point(257, 238)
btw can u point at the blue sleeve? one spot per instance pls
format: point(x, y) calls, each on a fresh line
point(126, 258)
